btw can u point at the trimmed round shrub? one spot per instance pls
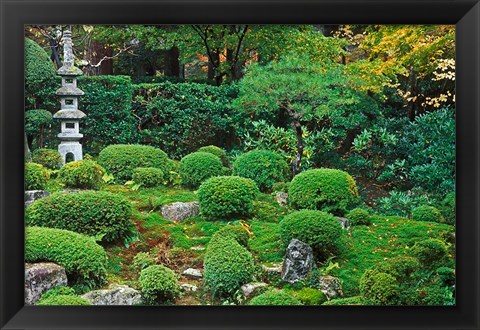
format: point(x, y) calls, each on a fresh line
point(310, 296)
point(101, 214)
point(82, 174)
point(36, 176)
point(227, 197)
point(49, 158)
point(358, 217)
point(237, 233)
point(63, 300)
point(318, 229)
point(399, 267)
point(197, 167)
point(324, 189)
point(430, 252)
point(379, 288)
point(275, 297)
point(427, 213)
point(447, 208)
point(262, 166)
point(214, 150)
point(84, 260)
point(148, 176)
point(121, 160)
point(159, 284)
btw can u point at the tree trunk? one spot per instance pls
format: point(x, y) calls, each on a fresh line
point(172, 63)
point(297, 126)
point(28, 156)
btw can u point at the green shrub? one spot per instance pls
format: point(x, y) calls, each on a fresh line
point(446, 276)
point(36, 176)
point(159, 284)
point(56, 291)
point(358, 217)
point(237, 233)
point(447, 208)
point(148, 176)
point(143, 260)
point(262, 166)
point(93, 213)
point(226, 197)
point(399, 267)
point(122, 159)
point(197, 167)
point(318, 229)
point(37, 122)
point(63, 300)
point(436, 295)
point(82, 174)
point(323, 189)
point(379, 288)
point(310, 296)
point(274, 297)
point(427, 213)
point(430, 252)
point(401, 203)
point(214, 150)
point(84, 260)
point(49, 158)
point(280, 186)
point(357, 300)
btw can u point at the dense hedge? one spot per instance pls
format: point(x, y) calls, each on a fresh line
point(122, 159)
point(323, 189)
point(148, 176)
point(197, 167)
point(63, 300)
point(159, 284)
point(262, 166)
point(427, 213)
point(431, 252)
point(83, 174)
point(275, 297)
point(100, 214)
point(379, 288)
point(358, 216)
point(49, 158)
point(217, 151)
point(36, 176)
point(84, 260)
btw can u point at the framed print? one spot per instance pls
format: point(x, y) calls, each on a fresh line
point(239, 164)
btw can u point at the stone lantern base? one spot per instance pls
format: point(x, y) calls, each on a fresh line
point(70, 147)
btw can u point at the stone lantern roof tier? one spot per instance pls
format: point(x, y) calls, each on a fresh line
point(69, 70)
point(70, 136)
point(69, 114)
point(69, 90)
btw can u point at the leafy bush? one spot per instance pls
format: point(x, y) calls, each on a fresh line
point(49, 158)
point(446, 276)
point(436, 295)
point(262, 166)
point(84, 260)
point(197, 167)
point(318, 229)
point(36, 176)
point(401, 203)
point(358, 217)
point(400, 267)
point(148, 176)
point(379, 288)
point(100, 214)
point(323, 189)
point(427, 213)
point(447, 208)
point(280, 186)
point(143, 260)
point(122, 159)
point(214, 150)
point(310, 296)
point(58, 291)
point(63, 300)
point(430, 252)
point(226, 197)
point(237, 233)
point(36, 123)
point(159, 284)
point(83, 174)
point(275, 297)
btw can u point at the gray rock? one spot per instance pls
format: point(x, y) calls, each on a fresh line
point(298, 261)
point(331, 286)
point(115, 295)
point(197, 248)
point(344, 222)
point(188, 287)
point(71, 191)
point(281, 198)
point(253, 289)
point(192, 272)
point(180, 211)
point(32, 195)
point(41, 277)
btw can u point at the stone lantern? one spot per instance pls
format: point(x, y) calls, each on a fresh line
point(69, 115)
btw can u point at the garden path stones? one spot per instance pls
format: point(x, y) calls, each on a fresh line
point(281, 198)
point(253, 289)
point(298, 261)
point(115, 295)
point(40, 277)
point(193, 272)
point(188, 287)
point(330, 286)
point(179, 211)
point(32, 195)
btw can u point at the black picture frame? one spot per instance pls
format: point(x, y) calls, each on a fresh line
point(465, 14)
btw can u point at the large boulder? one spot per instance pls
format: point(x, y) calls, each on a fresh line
point(32, 195)
point(180, 211)
point(298, 261)
point(115, 295)
point(331, 286)
point(40, 277)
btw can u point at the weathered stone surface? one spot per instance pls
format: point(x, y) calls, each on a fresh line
point(32, 195)
point(274, 268)
point(115, 295)
point(192, 272)
point(197, 248)
point(180, 211)
point(40, 277)
point(281, 198)
point(344, 222)
point(70, 191)
point(188, 287)
point(331, 286)
point(253, 289)
point(298, 261)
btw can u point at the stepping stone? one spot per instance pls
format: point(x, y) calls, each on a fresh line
point(192, 272)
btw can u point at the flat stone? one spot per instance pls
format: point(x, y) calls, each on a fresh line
point(253, 289)
point(331, 286)
point(40, 277)
point(32, 195)
point(298, 261)
point(179, 211)
point(188, 287)
point(281, 198)
point(192, 272)
point(115, 295)
point(344, 222)
point(197, 248)
point(274, 268)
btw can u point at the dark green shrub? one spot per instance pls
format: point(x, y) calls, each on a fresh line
point(262, 166)
point(120, 160)
point(399, 267)
point(36, 123)
point(94, 213)
point(84, 260)
point(143, 260)
point(430, 252)
point(63, 300)
point(379, 288)
point(82, 174)
point(310, 296)
point(226, 197)
point(49, 158)
point(237, 233)
point(214, 150)
point(436, 295)
point(358, 300)
point(318, 229)
point(275, 297)
point(36, 176)
point(197, 167)
point(446, 276)
point(358, 217)
point(159, 284)
point(323, 189)
point(427, 213)
point(148, 176)
point(447, 208)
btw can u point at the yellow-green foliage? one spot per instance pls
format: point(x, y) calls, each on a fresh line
point(159, 284)
point(427, 213)
point(358, 216)
point(197, 167)
point(379, 288)
point(357, 300)
point(148, 176)
point(83, 174)
point(36, 176)
point(214, 150)
point(275, 297)
point(310, 296)
point(63, 300)
point(49, 158)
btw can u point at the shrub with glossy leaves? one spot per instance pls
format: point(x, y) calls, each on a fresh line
point(430, 252)
point(82, 174)
point(379, 288)
point(227, 197)
point(63, 300)
point(427, 213)
point(275, 297)
point(214, 150)
point(358, 216)
point(262, 166)
point(94, 213)
point(323, 189)
point(49, 158)
point(197, 167)
point(84, 260)
point(148, 176)
point(36, 176)
point(159, 284)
